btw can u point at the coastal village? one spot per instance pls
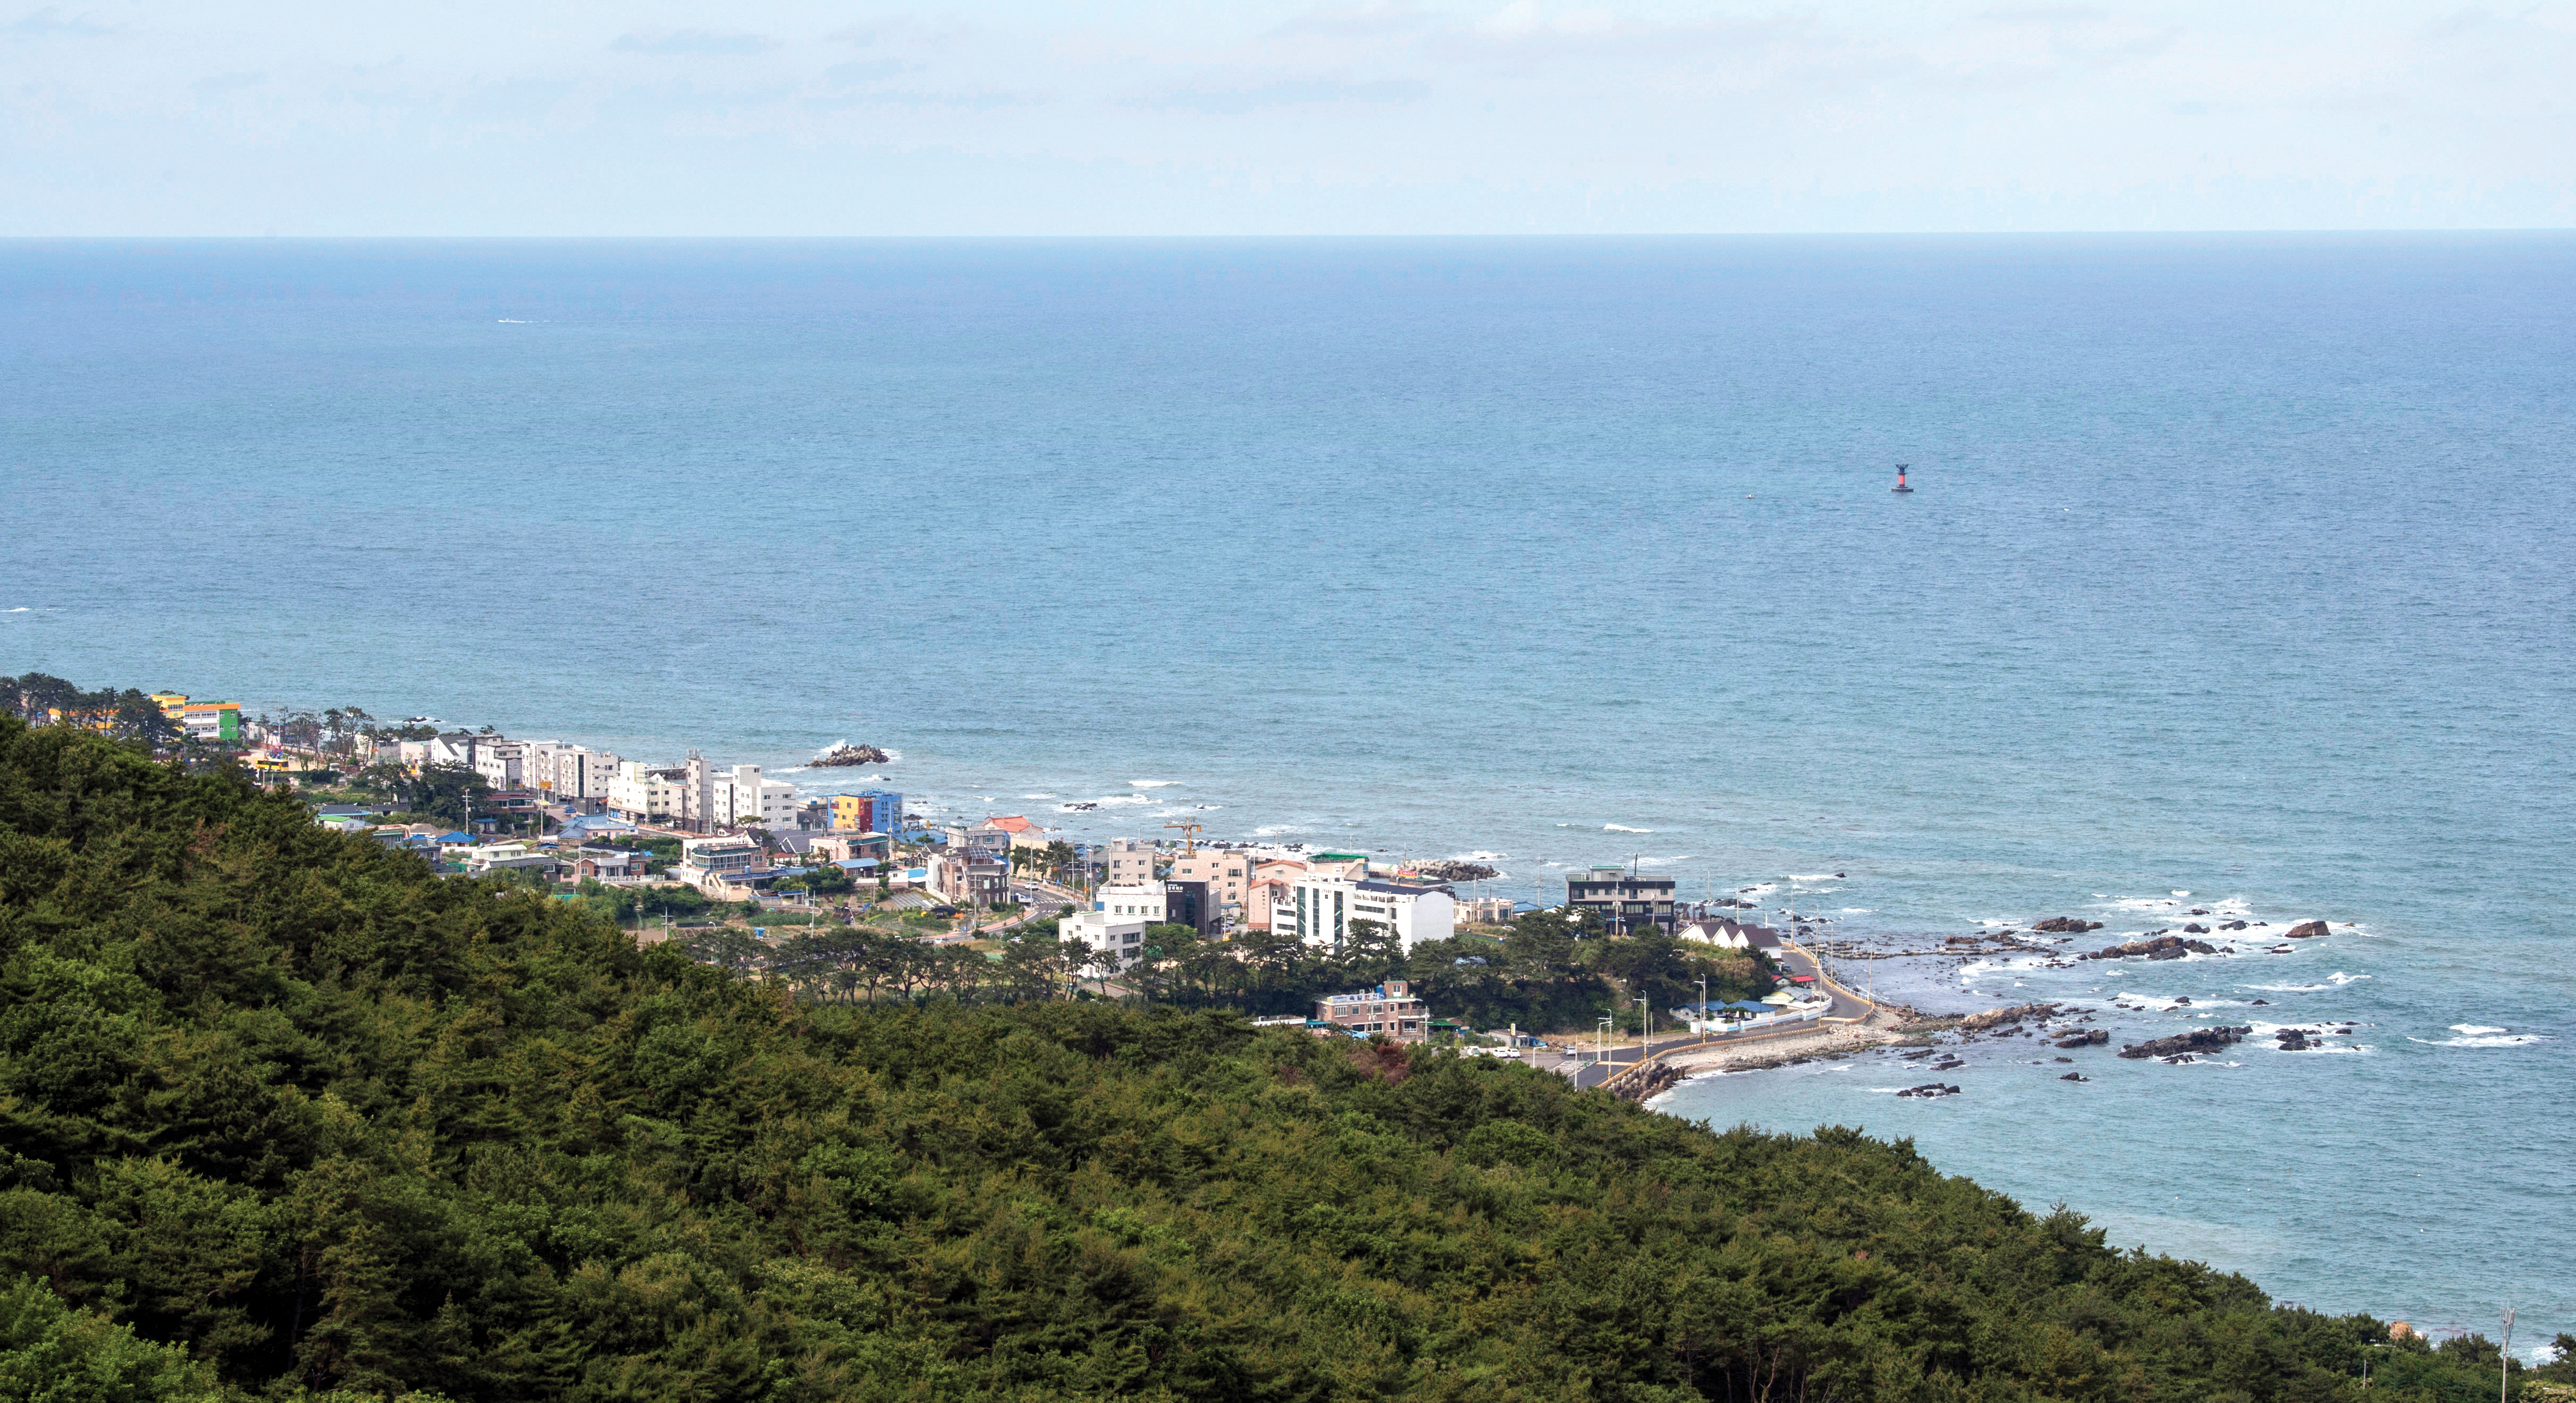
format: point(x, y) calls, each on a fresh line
point(731, 851)
point(747, 870)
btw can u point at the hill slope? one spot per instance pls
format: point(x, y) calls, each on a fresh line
point(330, 1121)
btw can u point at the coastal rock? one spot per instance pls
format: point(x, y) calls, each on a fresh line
point(2233, 925)
point(1929, 1089)
point(2296, 1039)
point(2305, 930)
point(2163, 947)
point(1998, 1017)
point(846, 754)
point(2197, 1040)
point(1457, 871)
point(2075, 1076)
point(2071, 924)
point(2095, 1038)
point(2195, 928)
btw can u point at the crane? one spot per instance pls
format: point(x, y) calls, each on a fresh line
point(1190, 837)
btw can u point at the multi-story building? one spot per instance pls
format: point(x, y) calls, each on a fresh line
point(853, 847)
point(503, 764)
point(1127, 861)
point(713, 860)
point(1388, 1011)
point(1133, 901)
point(968, 877)
point(1228, 876)
point(218, 722)
point(645, 793)
point(1272, 877)
point(741, 798)
point(1623, 900)
point(1192, 904)
point(1119, 940)
point(868, 811)
point(1484, 910)
point(1319, 910)
point(571, 774)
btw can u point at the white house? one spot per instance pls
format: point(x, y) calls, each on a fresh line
point(709, 861)
point(1319, 909)
point(1118, 938)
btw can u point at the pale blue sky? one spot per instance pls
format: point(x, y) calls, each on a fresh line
point(1498, 116)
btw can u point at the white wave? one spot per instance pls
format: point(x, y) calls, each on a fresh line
point(1276, 829)
point(1623, 828)
point(1858, 911)
point(1479, 855)
point(1037, 796)
point(1151, 783)
point(2287, 988)
point(2339, 977)
point(2182, 893)
point(2476, 1030)
point(19, 610)
point(1663, 861)
point(1812, 876)
point(2492, 1040)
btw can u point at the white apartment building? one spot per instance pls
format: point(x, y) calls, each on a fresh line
point(642, 793)
point(1319, 910)
point(1134, 901)
point(1126, 862)
point(572, 773)
point(1118, 938)
point(503, 764)
point(741, 797)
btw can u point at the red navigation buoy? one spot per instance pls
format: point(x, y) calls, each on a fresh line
point(1900, 479)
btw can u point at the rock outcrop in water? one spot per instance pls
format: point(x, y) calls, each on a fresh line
point(2163, 947)
point(1461, 872)
point(2095, 1038)
point(2071, 925)
point(2197, 1040)
point(2305, 930)
point(1997, 1017)
point(847, 754)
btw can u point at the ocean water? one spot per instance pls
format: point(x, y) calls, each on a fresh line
point(2239, 567)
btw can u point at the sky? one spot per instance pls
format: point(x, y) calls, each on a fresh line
point(1134, 117)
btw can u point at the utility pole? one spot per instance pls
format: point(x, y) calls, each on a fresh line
point(2504, 1358)
point(1644, 1014)
point(1703, 1008)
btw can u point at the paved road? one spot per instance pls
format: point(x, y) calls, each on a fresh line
point(1586, 1070)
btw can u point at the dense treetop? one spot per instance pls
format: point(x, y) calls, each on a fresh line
point(282, 1110)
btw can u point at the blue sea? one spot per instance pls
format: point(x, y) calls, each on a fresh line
point(2239, 567)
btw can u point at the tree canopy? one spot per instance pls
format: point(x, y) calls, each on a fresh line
point(283, 1110)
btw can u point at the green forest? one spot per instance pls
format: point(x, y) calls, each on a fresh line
point(285, 1115)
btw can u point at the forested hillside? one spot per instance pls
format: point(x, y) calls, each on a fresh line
point(290, 1103)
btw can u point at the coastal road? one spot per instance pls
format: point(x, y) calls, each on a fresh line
point(1585, 1069)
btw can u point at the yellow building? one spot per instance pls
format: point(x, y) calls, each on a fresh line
point(216, 721)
